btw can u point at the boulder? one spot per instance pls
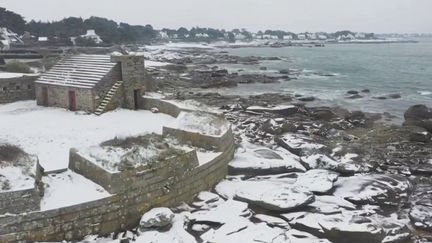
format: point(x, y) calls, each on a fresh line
point(417, 134)
point(418, 112)
point(422, 169)
point(157, 218)
point(267, 154)
point(365, 91)
point(317, 180)
point(421, 217)
point(419, 115)
point(382, 190)
point(307, 99)
point(324, 114)
point(395, 96)
point(352, 92)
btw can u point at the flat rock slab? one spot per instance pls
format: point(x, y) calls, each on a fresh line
point(317, 181)
point(377, 189)
point(421, 217)
point(272, 195)
point(264, 162)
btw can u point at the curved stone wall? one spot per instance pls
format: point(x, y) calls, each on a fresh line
point(124, 209)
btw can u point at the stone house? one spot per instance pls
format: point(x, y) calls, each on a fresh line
point(93, 83)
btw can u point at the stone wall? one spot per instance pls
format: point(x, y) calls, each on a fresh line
point(167, 187)
point(117, 182)
point(16, 89)
point(148, 103)
point(23, 200)
point(119, 212)
point(58, 96)
point(133, 74)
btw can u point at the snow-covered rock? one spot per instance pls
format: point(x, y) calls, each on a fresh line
point(275, 196)
point(373, 189)
point(317, 181)
point(421, 217)
point(264, 162)
point(157, 218)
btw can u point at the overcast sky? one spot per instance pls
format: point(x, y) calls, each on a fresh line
point(377, 16)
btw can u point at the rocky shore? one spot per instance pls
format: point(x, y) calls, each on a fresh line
point(301, 173)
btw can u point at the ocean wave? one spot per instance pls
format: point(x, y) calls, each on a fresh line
point(425, 92)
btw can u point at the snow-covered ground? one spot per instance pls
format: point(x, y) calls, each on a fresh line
point(14, 75)
point(67, 189)
point(50, 132)
point(201, 122)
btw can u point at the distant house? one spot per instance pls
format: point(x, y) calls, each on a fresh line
point(8, 38)
point(240, 37)
point(93, 83)
point(91, 35)
point(287, 37)
point(301, 36)
point(201, 35)
point(322, 37)
point(42, 39)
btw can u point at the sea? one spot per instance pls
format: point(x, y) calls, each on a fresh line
point(327, 73)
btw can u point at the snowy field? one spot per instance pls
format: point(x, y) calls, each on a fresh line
point(69, 188)
point(50, 132)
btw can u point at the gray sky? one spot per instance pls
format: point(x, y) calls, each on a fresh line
point(403, 16)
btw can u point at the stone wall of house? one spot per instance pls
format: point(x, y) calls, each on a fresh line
point(23, 200)
point(58, 96)
point(164, 186)
point(133, 74)
point(16, 89)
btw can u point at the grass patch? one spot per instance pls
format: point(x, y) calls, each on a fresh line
point(17, 67)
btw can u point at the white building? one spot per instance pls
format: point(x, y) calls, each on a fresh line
point(42, 39)
point(91, 35)
point(287, 37)
point(301, 36)
point(322, 37)
point(201, 35)
point(8, 38)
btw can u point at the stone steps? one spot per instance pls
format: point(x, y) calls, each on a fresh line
point(108, 97)
point(81, 71)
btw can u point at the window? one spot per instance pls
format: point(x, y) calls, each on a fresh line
point(18, 87)
point(4, 88)
point(29, 86)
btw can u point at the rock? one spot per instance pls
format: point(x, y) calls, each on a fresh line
point(422, 169)
point(418, 112)
point(285, 110)
point(354, 96)
point(157, 218)
point(274, 196)
point(317, 180)
point(323, 114)
point(289, 127)
point(270, 126)
point(355, 229)
point(384, 190)
point(395, 96)
point(418, 134)
point(266, 162)
point(365, 91)
point(355, 115)
point(284, 71)
point(421, 217)
point(267, 154)
point(263, 68)
point(154, 110)
point(419, 115)
point(352, 92)
point(307, 99)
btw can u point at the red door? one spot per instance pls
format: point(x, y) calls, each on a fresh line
point(72, 100)
point(44, 96)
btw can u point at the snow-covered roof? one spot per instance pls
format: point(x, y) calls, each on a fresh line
point(80, 71)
